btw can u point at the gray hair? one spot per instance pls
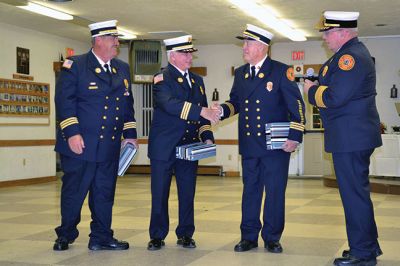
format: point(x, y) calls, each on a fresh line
point(169, 54)
point(352, 31)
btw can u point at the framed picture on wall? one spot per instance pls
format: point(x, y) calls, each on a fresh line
point(22, 61)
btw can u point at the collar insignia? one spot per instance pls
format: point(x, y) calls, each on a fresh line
point(325, 71)
point(201, 90)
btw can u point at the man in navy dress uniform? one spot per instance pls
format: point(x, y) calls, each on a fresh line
point(180, 117)
point(263, 91)
point(345, 97)
point(94, 105)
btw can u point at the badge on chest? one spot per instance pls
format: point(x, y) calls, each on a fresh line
point(269, 86)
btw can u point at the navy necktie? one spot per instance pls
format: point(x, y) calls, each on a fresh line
point(185, 76)
point(107, 69)
point(253, 72)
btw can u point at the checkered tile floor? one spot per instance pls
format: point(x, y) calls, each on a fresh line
point(314, 232)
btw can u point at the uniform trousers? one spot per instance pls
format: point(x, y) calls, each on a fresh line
point(161, 175)
point(269, 173)
point(352, 169)
point(81, 177)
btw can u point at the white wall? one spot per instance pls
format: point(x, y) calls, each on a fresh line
point(31, 162)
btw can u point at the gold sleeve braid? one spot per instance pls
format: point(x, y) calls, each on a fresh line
point(129, 125)
point(204, 128)
point(69, 121)
point(231, 108)
point(299, 126)
point(318, 96)
point(185, 110)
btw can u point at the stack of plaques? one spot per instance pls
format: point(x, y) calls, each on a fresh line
point(196, 151)
point(276, 134)
point(125, 158)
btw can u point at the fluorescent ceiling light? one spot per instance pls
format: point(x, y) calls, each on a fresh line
point(263, 15)
point(45, 11)
point(126, 35)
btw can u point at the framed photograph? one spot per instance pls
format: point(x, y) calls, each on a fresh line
point(22, 61)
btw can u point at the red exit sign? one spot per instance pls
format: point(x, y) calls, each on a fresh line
point(297, 55)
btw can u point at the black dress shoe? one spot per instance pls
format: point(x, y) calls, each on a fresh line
point(155, 244)
point(273, 246)
point(186, 242)
point(354, 261)
point(346, 253)
point(61, 243)
point(245, 245)
point(113, 244)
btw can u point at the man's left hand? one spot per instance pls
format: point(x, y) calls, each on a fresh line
point(208, 141)
point(307, 85)
point(133, 141)
point(290, 145)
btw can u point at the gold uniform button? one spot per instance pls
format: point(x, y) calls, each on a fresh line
point(248, 133)
point(258, 117)
point(247, 101)
point(101, 136)
point(187, 131)
point(247, 126)
point(258, 109)
point(188, 122)
point(247, 118)
point(117, 108)
point(103, 127)
point(106, 107)
point(115, 128)
point(246, 109)
point(116, 118)
point(258, 125)
point(258, 101)
point(104, 117)
point(258, 134)
point(106, 97)
point(113, 137)
point(117, 99)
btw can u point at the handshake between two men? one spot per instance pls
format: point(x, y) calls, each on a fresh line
point(213, 113)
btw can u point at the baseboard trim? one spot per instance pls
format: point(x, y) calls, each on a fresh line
point(27, 142)
point(201, 170)
point(27, 182)
point(232, 173)
point(376, 187)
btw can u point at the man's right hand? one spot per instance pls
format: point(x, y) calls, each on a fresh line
point(76, 144)
point(213, 115)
